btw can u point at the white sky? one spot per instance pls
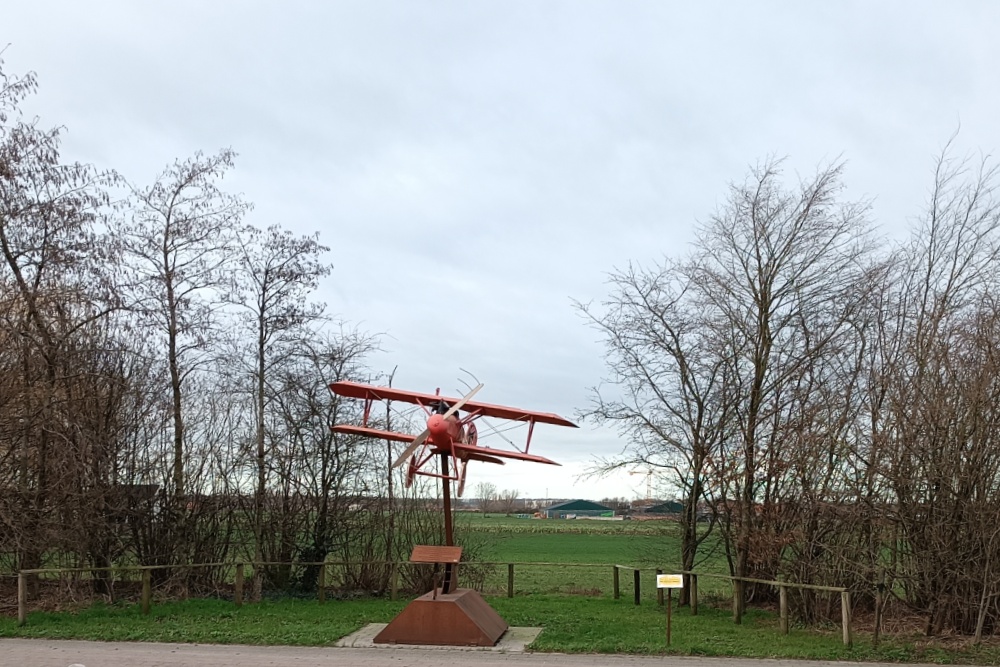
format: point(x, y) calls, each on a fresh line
point(474, 166)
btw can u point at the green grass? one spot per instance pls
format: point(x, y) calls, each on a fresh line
point(284, 622)
point(646, 545)
point(578, 548)
point(571, 601)
point(571, 625)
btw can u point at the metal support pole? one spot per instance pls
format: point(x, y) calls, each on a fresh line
point(670, 603)
point(510, 580)
point(321, 583)
point(659, 598)
point(617, 588)
point(694, 594)
point(447, 583)
point(449, 531)
point(635, 578)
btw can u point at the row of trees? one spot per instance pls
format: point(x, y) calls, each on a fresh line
point(163, 371)
point(830, 398)
point(490, 499)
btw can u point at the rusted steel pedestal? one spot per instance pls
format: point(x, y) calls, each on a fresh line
point(461, 618)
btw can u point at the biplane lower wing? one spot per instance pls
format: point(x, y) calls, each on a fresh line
point(484, 458)
point(371, 393)
point(470, 451)
point(372, 433)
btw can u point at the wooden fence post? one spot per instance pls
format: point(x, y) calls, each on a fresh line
point(394, 581)
point(617, 589)
point(845, 617)
point(510, 580)
point(659, 591)
point(238, 588)
point(879, 603)
point(22, 599)
point(321, 583)
point(694, 594)
point(783, 608)
point(635, 579)
point(737, 601)
point(147, 591)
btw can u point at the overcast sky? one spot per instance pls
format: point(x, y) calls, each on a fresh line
point(476, 166)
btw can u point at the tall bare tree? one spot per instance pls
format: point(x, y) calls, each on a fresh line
point(180, 242)
point(277, 273)
point(57, 268)
point(669, 385)
point(718, 356)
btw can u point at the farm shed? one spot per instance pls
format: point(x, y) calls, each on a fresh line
point(577, 508)
point(668, 508)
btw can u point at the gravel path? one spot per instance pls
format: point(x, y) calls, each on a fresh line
point(63, 653)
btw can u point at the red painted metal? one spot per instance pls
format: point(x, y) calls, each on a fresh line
point(365, 391)
point(372, 432)
point(462, 450)
point(461, 618)
point(456, 616)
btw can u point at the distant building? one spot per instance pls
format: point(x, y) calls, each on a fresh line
point(668, 508)
point(575, 508)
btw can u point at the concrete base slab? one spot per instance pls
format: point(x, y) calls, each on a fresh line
point(512, 641)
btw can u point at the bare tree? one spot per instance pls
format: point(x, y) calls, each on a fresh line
point(486, 496)
point(507, 500)
point(277, 273)
point(180, 242)
point(669, 385)
point(718, 356)
point(56, 268)
point(937, 452)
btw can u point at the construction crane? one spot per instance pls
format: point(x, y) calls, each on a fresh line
point(649, 481)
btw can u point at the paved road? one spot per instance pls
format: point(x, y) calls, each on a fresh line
point(56, 653)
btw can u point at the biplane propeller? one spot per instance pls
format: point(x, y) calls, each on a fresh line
point(437, 424)
point(448, 434)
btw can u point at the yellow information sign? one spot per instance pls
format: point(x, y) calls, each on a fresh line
point(669, 581)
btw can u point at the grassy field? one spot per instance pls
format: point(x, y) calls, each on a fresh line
point(570, 596)
point(590, 546)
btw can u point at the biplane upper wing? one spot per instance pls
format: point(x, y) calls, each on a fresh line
point(372, 433)
point(370, 392)
point(473, 451)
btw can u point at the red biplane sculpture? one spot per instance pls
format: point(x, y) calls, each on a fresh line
point(457, 616)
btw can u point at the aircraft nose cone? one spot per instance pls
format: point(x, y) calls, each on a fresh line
point(437, 425)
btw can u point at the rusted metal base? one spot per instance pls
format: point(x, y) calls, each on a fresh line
point(461, 618)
